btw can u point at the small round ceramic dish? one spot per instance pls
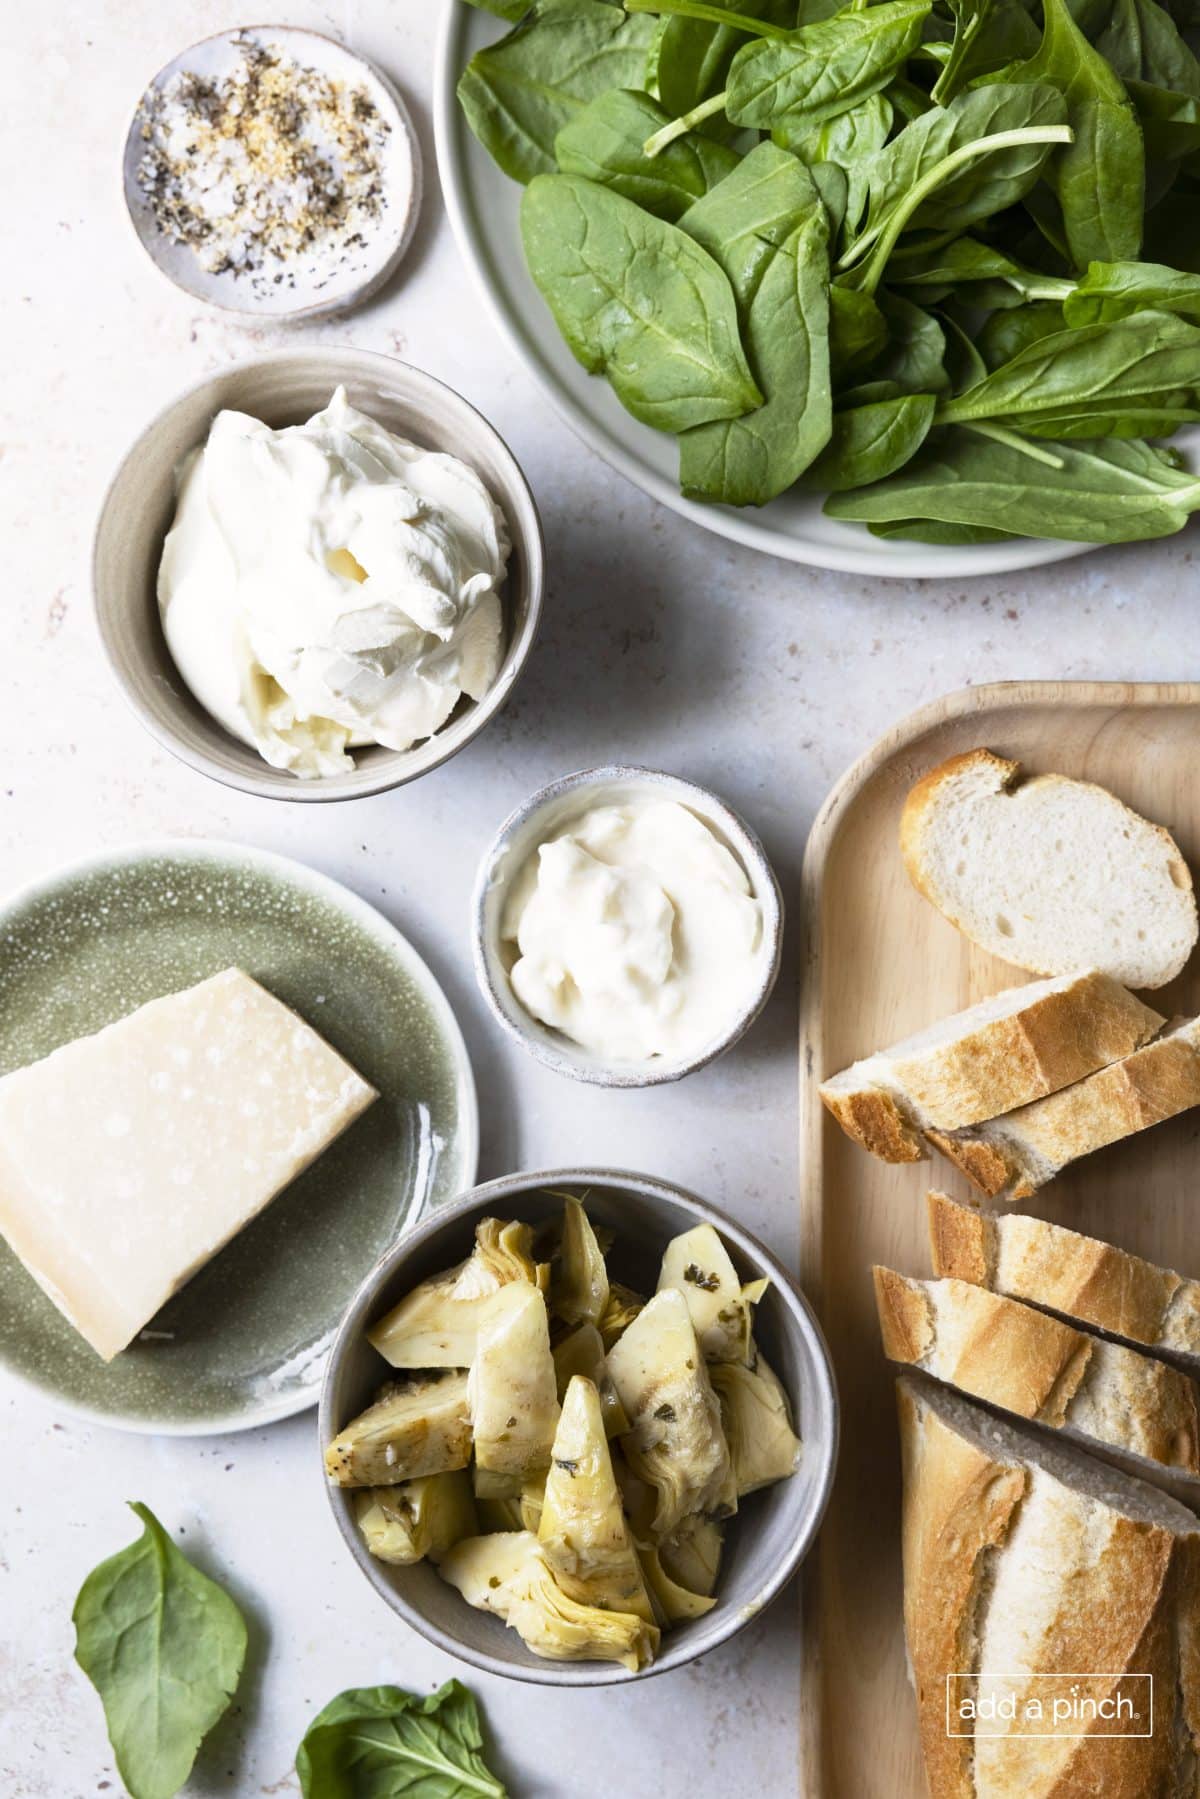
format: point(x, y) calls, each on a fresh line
point(774, 1528)
point(551, 809)
point(286, 389)
point(302, 286)
point(246, 1340)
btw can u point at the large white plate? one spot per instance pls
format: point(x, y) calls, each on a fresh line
point(483, 206)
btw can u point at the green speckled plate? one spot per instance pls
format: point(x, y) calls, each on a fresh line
point(246, 1340)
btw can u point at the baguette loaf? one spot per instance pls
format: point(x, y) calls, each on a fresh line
point(1080, 1277)
point(1010, 1049)
point(1015, 1357)
point(1009, 1158)
point(1051, 874)
point(1025, 1557)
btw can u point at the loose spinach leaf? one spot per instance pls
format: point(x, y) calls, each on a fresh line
point(1107, 491)
point(858, 331)
point(978, 188)
point(1100, 177)
point(1141, 42)
point(639, 301)
point(872, 441)
point(766, 226)
point(1112, 290)
point(970, 18)
point(966, 261)
point(164, 1646)
point(605, 143)
point(694, 54)
point(824, 69)
point(1170, 123)
point(848, 142)
point(384, 1743)
point(1005, 334)
point(928, 530)
point(1136, 377)
point(518, 94)
point(915, 357)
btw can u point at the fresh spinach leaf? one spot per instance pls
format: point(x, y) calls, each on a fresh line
point(1099, 178)
point(164, 1646)
point(915, 356)
point(847, 142)
point(858, 331)
point(605, 143)
point(1136, 377)
point(518, 94)
point(384, 1743)
point(928, 530)
point(970, 18)
point(823, 69)
point(873, 441)
point(1112, 290)
point(694, 54)
point(979, 185)
point(766, 226)
point(967, 262)
point(1005, 334)
point(638, 300)
point(1107, 491)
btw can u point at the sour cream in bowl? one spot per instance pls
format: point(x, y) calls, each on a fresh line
point(628, 926)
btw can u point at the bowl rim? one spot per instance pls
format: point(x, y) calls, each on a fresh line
point(550, 1047)
point(822, 1445)
point(367, 289)
point(390, 766)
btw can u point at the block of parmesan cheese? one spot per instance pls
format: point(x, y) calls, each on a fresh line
point(129, 1158)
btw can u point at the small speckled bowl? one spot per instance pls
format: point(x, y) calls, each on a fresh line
point(285, 389)
point(548, 811)
point(774, 1528)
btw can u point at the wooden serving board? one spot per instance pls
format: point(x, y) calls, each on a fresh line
point(879, 963)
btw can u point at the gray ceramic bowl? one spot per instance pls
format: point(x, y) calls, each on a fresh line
point(285, 389)
point(774, 1528)
point(518, 838)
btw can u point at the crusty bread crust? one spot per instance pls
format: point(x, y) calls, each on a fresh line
point(1048, 1265)
point(1058, 1038)
point(872, 1117)
point(1002, 777)
point(1013, 1356)
point(1133, 1609)
point(1016, 1155)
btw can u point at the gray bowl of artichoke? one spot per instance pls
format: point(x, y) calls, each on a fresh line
point(677, 1501)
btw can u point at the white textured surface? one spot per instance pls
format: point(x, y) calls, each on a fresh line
point(662, 645)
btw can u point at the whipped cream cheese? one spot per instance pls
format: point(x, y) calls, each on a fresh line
point(328, 586)
point(636, 932)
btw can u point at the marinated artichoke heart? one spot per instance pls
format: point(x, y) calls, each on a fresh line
point(533, 1496)
point(418, 1518)
point(697, 1265)
point(436, 1325)
point(583, 1353)
point(579, 1287)
point(672, 1601)
point(509, 1575)
point(692, 1557)
point(513, 1391)
point(758, 1424)
point(582, 1530)
point(675, 1442)
point(622, 1308)
point(414, 1428)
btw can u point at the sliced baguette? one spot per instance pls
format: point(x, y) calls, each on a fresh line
point(1011, 1157)
point(1023, 1556)
point(1015, 1357)
point(1050, 873)
point(1079, 1277)
point(1004, 1052)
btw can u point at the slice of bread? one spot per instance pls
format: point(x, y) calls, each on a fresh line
point(1076, 1276)
point(1002, 1053)
point(1009, 1158)
point(1012, 1356)
point(1031, 1568)
point(1050, 873)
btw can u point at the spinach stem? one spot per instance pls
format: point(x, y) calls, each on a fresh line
point(1014, 442)
point(885, 234)
point(713, 15)
point(681, 126)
